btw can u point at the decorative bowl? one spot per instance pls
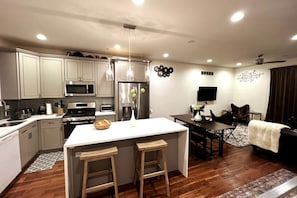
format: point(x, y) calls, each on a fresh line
point(102, 124)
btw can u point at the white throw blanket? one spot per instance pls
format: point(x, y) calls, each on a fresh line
point(265, 134)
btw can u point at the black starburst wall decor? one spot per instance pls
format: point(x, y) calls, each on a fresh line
point(163, 71)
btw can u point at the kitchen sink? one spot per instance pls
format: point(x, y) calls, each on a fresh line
point(11, 123)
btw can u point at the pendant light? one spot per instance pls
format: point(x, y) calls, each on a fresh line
point(109, 72)
point(130, 73)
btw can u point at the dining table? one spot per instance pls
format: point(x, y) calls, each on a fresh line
point(206, 127)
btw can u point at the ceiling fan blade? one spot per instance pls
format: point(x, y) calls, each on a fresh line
point(278, 61)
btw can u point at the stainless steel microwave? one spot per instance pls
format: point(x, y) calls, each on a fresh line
point(80, 88)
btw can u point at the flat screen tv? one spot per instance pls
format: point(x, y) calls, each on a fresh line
point(207, 94)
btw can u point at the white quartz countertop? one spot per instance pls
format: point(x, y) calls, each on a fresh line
point(7, 130)
point(122, 130)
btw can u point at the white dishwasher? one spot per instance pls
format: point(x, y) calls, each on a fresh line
point(10, 158)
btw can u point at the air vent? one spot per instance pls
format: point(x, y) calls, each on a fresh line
point(207, 73)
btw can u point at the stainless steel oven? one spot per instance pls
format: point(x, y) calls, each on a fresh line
point(78, 113)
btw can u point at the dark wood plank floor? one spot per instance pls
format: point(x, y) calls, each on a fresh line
point(207, 178)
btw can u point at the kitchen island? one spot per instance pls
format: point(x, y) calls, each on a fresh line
point(124, 135)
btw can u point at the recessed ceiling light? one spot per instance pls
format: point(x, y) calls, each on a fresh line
point(237, 16)
point(238, 64)
point(41, 37)
point(294, 38)
point(117, 46)
point(165, 55)
point(138, 2)
point(209, 60)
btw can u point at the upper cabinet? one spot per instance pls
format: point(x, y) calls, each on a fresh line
point(20, 78)
point(52, 77)
point(79, 70)
point(104, 88)
point(29, 76)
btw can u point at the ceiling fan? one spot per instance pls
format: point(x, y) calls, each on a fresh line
point(260, 60)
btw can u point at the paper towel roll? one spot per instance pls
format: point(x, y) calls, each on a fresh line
point(49, 109)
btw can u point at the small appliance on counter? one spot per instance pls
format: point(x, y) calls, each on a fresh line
point(106, 107)
point(41, 110)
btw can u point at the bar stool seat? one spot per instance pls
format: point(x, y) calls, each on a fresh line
point(96, 155)
point(152, 146)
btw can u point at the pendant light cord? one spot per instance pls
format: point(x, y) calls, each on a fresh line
point(129, 51)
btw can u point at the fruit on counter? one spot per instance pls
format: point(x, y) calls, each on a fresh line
point(142, 90)
point(103, 122)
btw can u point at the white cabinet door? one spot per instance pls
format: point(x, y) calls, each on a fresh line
point(78, 70)
point(87, 71)
point(28, 142)
point(52, 77)
point(72, 70)
point(51, 134)
point(29, 76)
point(104, 88)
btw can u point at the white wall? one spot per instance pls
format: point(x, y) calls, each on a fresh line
point(175, 94)
point(256, 93)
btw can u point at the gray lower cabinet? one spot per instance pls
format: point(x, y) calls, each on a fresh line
point(51, 134)
point(107, 117)
point(28, 142)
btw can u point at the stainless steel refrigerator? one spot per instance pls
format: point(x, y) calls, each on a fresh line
point(133, 96)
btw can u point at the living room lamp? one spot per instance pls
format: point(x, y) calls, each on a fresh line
point(130, 73)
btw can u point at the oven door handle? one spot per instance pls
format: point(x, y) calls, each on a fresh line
point(80, 122)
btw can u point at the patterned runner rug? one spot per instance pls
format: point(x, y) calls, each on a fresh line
point(239, 136)
point(261, 185)
point(45, 161)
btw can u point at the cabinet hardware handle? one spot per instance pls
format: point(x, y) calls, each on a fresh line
point(24, 131)
point(30, 135)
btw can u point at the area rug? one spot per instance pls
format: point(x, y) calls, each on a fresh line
point(45, 161)
point(239, 136)
point(261, 185)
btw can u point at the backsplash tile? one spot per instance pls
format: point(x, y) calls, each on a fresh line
point(16, 105)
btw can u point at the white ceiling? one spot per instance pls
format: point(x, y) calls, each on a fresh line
point(190, 31)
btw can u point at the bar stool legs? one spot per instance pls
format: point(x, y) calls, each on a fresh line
point(157, 146)
point(97, 155)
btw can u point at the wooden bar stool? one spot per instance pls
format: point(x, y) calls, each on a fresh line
point(91, 156)
point(156, 146)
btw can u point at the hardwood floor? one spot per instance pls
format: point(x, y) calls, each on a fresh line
point(207, 178)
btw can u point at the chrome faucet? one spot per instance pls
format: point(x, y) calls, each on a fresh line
point(4, 108)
